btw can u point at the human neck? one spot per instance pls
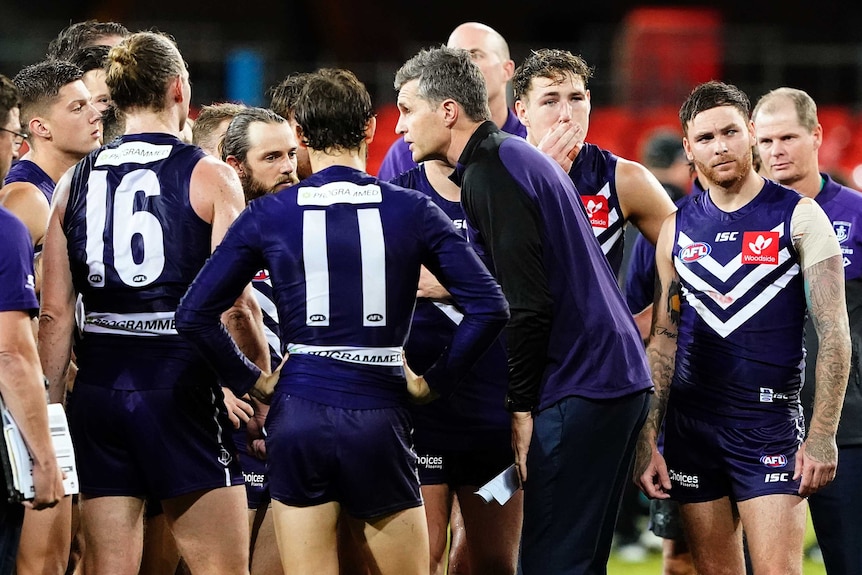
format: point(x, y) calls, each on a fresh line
point(351, 158)
point(499, 110)
point(808, 186)
point(737, 195)
point(460, 135)
point(438, 175)
point(52, 161)
point(144, 121)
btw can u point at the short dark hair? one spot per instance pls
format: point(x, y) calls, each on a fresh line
point(9, 98)
point(333, 110)
point(39, 85)
point(90, 58)
point(711, 95)
point(235, 142)
point(139, 69)
point(80, 35)
point(285, 94)
point(548, 63)
point(447, 73)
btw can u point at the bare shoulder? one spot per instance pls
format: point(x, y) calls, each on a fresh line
point(213, 184)
point(643, 199)
point(23, 194)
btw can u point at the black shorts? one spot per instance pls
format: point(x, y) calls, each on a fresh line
point(456, 469)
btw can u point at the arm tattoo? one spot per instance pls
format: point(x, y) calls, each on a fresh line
point(824, 286)
point(661, 354)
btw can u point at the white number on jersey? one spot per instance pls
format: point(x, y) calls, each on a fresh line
point(373, 262)
point(127, 223)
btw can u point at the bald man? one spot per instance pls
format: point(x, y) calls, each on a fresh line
point(490, 52)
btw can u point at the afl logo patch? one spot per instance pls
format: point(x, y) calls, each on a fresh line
point(774, 460)
point(693, 252)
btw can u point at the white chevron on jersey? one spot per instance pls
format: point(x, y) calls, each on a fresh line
point(749, 281)
point(267, 306)
point(726, 300)
point(725, 328)
point(613, 217)
point(722, 272)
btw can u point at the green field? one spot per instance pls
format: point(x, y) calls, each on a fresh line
point(653, 567)
point(653, 564)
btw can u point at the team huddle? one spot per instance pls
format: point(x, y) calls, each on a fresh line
point(274, 362)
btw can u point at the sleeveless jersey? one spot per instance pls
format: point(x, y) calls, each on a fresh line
point(27, 171)
point(475, 413)
point(594, 175)
point(740, 352)
point(135, 242)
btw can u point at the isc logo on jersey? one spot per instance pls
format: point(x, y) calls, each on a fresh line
point(760, 248)
point(774, 460)
point(693, 252)
point(597, 210)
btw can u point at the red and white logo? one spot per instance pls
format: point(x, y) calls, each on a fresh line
point(261, 276)
point(760, 248)
point(693, 252)
point(597, 210)
point(774, 460)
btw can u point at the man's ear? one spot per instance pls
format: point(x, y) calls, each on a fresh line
point(300, 140)
point(235, 164)
point(38, 127)
point(451, 112)
point(177, 89)
point(521, 112)
point(370, 129)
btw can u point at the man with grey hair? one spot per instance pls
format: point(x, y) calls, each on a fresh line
point(788, 137)
point(490, 52)
point(585, 394)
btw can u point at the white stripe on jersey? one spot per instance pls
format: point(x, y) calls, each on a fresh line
point(725, 300)
point(316, 264)
point(373, 250)
point(724, 329)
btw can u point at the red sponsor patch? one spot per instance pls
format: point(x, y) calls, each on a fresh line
point(597, 210)
point(760, 248)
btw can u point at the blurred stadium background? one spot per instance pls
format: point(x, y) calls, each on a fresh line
point(646, 58)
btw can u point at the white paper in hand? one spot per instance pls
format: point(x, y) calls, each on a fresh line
point(502, 487)
point(19, 457)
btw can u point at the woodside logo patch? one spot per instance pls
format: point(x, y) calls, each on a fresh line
point(597, 210)
point(760, 248)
